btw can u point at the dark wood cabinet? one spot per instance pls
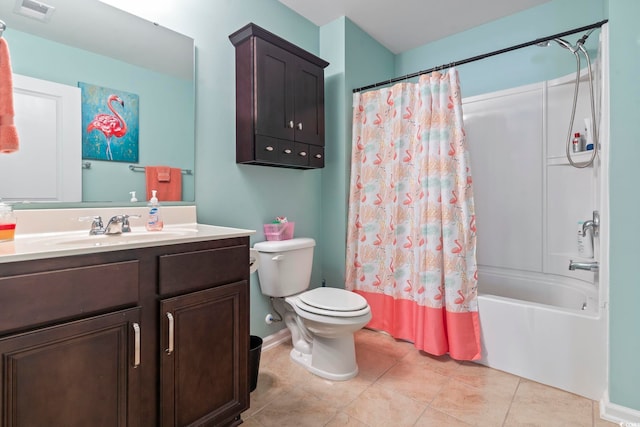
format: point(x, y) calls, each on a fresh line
point(78, 374)
point(279, 101)
point(204, 356)
point(85, 339)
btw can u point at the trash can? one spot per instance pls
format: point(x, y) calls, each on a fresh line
point(255, 347)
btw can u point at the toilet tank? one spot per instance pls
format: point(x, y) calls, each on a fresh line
point(284, 267)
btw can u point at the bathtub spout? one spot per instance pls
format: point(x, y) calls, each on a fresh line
point(589, 266)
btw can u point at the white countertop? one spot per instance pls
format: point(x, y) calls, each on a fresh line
point(47, 233)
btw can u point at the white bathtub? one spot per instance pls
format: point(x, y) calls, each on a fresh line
point(550, 330)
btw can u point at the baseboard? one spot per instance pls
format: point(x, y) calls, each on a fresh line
point(625, 417)
point(274, 339)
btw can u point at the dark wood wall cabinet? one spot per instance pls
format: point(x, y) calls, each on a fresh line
point(155, 336)
point(279, 101)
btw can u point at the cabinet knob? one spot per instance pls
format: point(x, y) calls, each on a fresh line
point(302, 154)
point(318, 156)
point(268, 148)
point(291, 124)
point(287, 151)
point(300, 126)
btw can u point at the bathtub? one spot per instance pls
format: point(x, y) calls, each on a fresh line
point(544, 328)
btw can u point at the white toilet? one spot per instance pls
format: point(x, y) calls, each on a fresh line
point(322, 320)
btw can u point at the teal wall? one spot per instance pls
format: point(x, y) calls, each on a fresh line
point(166, 130)
point(624, 340)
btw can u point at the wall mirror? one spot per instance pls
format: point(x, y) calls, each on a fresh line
point(92, 42)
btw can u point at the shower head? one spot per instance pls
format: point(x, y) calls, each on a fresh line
point(543, 44)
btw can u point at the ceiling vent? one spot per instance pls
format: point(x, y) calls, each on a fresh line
point(34, 9)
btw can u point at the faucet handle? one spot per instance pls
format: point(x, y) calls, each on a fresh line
point(96, 223)
point(126, 227)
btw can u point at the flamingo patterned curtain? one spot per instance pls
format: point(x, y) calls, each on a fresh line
point(411, 244)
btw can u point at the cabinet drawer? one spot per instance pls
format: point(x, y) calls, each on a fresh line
point(189, 271)
point(46, 297)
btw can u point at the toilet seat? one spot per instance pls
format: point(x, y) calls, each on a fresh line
point(332, 302)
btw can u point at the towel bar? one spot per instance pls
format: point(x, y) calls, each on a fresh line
point(141, 169)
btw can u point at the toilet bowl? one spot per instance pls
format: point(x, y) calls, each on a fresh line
point(322, 321)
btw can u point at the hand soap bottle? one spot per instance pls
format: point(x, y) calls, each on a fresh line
point(154, 220)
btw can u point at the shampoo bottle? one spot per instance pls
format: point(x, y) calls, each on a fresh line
point(154, 220)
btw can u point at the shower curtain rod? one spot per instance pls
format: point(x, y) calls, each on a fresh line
point(483, 56)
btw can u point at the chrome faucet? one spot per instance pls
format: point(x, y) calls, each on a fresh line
point(117, 224)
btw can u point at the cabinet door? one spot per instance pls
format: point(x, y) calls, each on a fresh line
point(309, 103)
point(275, 68)
point(79, 374)
point(204, 361)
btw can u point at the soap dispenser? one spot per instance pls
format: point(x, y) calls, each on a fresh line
point(7, 223)
point(154, 220)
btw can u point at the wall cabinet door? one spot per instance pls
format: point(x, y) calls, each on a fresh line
point(279, 101)
point(78, 374)
point(204, 356)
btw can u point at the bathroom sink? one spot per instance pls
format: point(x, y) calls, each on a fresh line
point(135, 236)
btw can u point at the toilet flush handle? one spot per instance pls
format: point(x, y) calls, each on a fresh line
point(277, 258)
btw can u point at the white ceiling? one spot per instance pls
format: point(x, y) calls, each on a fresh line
point(401, 25)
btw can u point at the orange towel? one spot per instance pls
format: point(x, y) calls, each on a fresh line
point(166, 180)
point(9, 141)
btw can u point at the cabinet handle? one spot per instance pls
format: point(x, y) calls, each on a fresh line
point(269, 148)
point(287, 151)
point(302, 154)
point(170, 349)
point(318, 156)
point(300, 126)
point(291, 124)
point(136, 345)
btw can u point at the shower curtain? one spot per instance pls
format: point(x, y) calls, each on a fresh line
point(411, 243)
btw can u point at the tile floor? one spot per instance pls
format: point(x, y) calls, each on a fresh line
point(399, 386)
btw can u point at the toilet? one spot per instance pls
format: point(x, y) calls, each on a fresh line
point(322, 321)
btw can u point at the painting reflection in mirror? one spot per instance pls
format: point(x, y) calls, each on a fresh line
point(109, 124)
point(166, 111)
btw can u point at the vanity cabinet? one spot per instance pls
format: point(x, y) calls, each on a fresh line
point(154, 336)
point(279, 101)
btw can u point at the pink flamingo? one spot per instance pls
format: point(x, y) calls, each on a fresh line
point(408, 114)
point(421, 290)
point(409, 286)
point(378, 159)
point(439, 247)
point(359, 185)
point(440, 293)
point(461, 299)
point(378, 240)
point(378, 200)
point(356, 263)
point(364, 198)
point(109, 125)
point(358, 223)
point(389, 99)
point(363, 238)
point(362, 278)
point(454, 199)
point(359, 144)
point(377, 282)
point(408, 157)
point(422, 241)
point(472, 223)
point(457, 249)
point(408, 199)
point(452, 149)
point(392, 267)
point(409, 243)
point(378, 120)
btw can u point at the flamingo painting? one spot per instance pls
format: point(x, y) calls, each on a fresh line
point(114, 115)
point(109, 125)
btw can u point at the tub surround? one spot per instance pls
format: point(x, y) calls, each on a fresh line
point(134, 328)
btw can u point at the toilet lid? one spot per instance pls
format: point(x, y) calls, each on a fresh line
point(333, 299)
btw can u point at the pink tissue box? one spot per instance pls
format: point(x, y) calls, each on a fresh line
point(281, 231)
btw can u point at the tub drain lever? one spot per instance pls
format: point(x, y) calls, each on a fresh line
point(589, 266)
